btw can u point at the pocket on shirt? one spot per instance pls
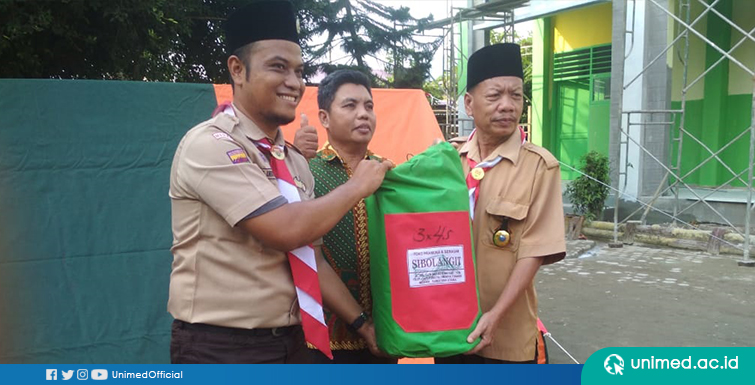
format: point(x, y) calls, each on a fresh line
point(498, 209)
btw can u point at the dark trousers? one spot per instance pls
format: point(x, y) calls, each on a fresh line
point(475, 359)
point(208, 344)
point(362, 356)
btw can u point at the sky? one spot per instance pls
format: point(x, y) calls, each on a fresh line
point(440, 9)
point(422, 8)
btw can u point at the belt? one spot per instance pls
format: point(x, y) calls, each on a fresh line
point(257, 332)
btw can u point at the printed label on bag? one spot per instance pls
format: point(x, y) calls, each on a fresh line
point(433, 266)
point(432, 271)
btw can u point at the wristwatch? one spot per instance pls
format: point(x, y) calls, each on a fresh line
point(358, 322)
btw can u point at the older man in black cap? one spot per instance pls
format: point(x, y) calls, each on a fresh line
point(515, 194)
point(244, 286)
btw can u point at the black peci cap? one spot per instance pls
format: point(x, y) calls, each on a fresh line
point(492, 61)
point(261, 20)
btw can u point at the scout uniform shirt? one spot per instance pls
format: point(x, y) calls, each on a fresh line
point(221, 274)
point(523, 189)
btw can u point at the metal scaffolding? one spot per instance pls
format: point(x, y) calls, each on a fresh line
point(501, 11)
point(453, 58)
point(625, 122)
point(681, 42)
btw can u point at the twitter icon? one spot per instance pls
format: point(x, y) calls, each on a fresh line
point(67, 374)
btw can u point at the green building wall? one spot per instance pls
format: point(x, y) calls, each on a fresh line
point(542, 79)
point(719, 107)
point(565, 119)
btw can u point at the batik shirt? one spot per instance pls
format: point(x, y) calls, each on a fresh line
point(345, 247)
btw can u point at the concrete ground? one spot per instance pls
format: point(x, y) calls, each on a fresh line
point(638, 296)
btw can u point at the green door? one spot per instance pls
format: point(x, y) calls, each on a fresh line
point(600, 113)
point(572, 123)
point(581, 106)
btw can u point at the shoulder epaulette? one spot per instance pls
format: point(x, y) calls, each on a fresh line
point(224, 122)
point(550, 160)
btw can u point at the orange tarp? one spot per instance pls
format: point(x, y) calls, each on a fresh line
point(406, 124)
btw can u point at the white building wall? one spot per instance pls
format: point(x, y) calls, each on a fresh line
point(632, 100)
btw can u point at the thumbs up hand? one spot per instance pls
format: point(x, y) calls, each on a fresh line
point(306, 138)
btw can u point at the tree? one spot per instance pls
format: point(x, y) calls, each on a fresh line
point(367, 31)
point(588, 193)
point(163, 40)
point(182, 40)
point(436, 88)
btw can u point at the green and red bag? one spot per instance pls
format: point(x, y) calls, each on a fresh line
point(422, 266)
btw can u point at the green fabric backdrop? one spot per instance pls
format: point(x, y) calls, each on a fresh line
point(85, 217)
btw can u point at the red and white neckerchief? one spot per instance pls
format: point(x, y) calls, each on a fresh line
point(302, 260)
point(477, 173)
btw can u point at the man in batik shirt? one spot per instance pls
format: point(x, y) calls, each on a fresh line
point(346, 112)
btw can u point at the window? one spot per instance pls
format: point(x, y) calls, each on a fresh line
point(601, 89)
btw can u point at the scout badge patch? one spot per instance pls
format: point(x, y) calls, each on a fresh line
point(237, 156)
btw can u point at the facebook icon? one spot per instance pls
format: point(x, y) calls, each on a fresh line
point(52, 374)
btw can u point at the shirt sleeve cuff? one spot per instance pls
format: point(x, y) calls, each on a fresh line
point(265, 208)
point(555, 251)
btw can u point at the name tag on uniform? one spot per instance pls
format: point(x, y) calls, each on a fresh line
point(269, 173)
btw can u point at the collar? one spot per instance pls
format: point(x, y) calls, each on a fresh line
point(252, 131)
point(329, 154)
point(508, 149)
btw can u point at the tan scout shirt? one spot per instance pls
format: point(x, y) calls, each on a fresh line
point(525, 187)
point(221, 274)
